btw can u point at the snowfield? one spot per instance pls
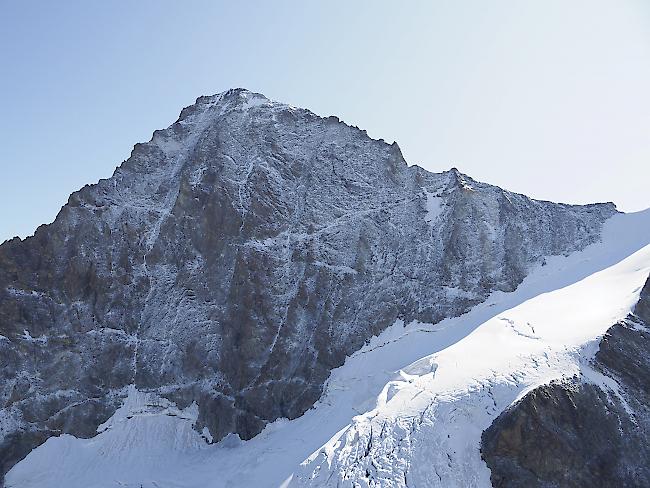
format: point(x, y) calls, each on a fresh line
point(407, 409)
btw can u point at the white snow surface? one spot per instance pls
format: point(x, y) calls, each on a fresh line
point(434, 207)
point(408, 408)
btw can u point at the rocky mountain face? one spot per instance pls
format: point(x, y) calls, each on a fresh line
point(573, 433)
point(237, 258)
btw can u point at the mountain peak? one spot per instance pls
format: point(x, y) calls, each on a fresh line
point(236, 259)
point(232, 99)
point(234, 95)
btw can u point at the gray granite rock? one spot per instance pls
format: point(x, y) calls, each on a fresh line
point(237, 258)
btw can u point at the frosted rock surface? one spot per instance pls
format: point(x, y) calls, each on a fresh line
point(238, 257)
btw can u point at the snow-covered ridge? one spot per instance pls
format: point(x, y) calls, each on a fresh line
point(386, 413)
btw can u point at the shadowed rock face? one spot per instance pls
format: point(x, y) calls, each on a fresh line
point(575, 434)
point(237, 258)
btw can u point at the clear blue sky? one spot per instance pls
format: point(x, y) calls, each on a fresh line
point(548, 98)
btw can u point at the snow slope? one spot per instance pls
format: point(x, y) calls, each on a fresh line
point(426, 427)
point(408, 407)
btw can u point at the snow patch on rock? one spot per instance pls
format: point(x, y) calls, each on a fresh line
point(434, 206)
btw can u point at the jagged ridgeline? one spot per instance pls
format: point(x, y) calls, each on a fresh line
point(237, 258)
